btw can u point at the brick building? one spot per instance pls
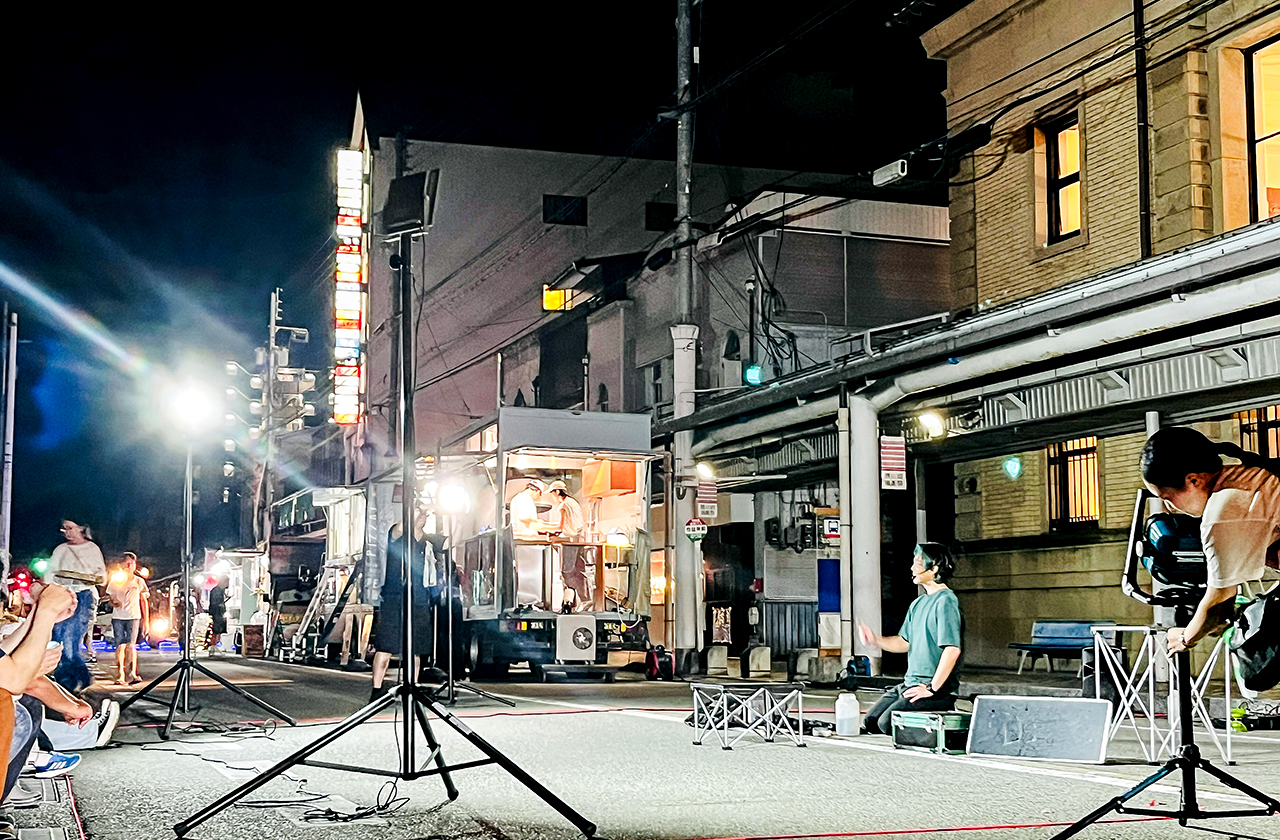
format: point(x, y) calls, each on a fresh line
point(1093, 304)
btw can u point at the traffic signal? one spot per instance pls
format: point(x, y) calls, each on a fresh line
point(22, 579)
point(753, 375)
point(38, 566)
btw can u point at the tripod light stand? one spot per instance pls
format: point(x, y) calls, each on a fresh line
point(449, 689)
point(1183, 598)
point(187, 664)
point(415, 701)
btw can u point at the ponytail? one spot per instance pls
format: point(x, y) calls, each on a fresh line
point(1249, 459)
point(1174, 452)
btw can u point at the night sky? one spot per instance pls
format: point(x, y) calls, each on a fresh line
point(159, 186)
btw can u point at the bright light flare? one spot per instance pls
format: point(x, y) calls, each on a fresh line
point(159, 626)
point(119, 576)
point(193, 408)
point(933, 423)
point(454, 498)
point(705, 471)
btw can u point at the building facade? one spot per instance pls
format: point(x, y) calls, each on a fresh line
point(1058, 198)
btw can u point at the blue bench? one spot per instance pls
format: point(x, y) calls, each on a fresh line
point(1064, 639)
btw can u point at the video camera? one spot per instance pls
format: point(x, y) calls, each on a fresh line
point(1168, 546)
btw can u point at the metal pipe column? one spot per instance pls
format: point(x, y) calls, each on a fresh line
point(864, 498)
point(846, 529)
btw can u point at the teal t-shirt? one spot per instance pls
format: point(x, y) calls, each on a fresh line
point(933, 622)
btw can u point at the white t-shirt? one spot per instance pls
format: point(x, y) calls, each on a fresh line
point(569, 514)
point(130, 595)
point(1241, 520)
point(524, 514)
point(85, 559)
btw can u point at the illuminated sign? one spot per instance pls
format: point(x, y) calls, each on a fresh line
point(350, 298)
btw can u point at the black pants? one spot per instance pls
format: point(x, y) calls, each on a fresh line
point(880, 719)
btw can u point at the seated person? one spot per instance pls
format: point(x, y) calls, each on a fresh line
point(25, 655)
point(930, 637)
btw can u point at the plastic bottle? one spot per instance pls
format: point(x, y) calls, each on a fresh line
point(848, 714)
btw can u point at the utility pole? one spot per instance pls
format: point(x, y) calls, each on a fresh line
point(10, 386)
point(684, 336)
point(268, 412)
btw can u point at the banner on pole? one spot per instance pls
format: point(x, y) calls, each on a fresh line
point(893, 462)
point(708, 502)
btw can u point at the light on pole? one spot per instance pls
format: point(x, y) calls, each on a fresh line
point(194, 411)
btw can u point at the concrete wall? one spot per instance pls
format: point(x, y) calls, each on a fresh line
point(1002, 593)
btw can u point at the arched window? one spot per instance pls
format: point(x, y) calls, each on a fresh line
point(602, 398)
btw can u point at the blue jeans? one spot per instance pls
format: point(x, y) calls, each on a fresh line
point(71, 673)
point(27, 718)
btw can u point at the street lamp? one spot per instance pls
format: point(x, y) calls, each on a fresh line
point(194, 411)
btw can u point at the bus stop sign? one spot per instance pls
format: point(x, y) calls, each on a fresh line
point(695, 529)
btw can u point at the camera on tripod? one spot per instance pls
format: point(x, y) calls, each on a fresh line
point(1168, 546)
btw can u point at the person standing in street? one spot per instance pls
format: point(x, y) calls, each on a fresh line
point(76, 564)
point(218, 612)
point(388, 627)
point(128, 594)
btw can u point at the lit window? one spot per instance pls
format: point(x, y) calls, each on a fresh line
point(1260, 430)
point(1062, 157)
point(1264, 128)
point(1073, 484)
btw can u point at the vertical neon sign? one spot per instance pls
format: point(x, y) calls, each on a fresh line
point(350, 297)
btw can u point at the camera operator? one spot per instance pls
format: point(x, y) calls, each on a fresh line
point(1239, 511)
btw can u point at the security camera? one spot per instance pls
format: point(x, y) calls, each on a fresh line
point(889, 173)
point(395, 262)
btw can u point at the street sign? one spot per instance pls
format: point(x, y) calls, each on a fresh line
point(893, 462)
point(695, 529)
point(708, 501)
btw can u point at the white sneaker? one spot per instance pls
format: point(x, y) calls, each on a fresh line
point(107, 716)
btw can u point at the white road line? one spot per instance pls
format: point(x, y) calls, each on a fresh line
point(1092, 778)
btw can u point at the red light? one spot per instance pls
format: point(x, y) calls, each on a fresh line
point(349, 248)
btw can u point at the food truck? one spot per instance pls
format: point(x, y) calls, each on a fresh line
point(547, 515)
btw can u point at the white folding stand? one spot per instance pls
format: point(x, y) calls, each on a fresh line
point(1137, 687)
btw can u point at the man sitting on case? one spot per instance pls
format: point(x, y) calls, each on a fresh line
point(930, 637)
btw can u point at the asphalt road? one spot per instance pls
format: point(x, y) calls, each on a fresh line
point(618, 753)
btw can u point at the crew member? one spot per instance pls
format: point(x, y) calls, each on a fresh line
point(930, 637)
point(1239, 510)
point(569, 523)
point(525, 523)
point(388, 629)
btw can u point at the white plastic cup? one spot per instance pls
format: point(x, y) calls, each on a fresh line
point(848, 714)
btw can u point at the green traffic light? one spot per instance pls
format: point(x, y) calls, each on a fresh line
point(753, 375)
point(38, 566)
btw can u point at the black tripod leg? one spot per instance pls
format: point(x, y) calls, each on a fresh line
point(1116, 803)
point(435, 750)
point(184, 677)
point(284, 764)
point(262, 704)
point(1232, 782)
point(142, 693)
point(584, 825)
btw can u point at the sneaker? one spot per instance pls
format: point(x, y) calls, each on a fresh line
point(49, 765)
point(23, 797)
point(107, 717)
